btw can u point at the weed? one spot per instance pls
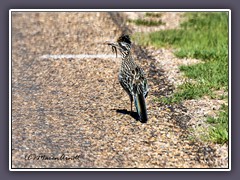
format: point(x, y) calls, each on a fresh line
point(155, 15)
point(145, 22)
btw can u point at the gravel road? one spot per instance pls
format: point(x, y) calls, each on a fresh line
point(72, 112)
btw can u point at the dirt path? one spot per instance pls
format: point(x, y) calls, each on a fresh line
point(75, 106)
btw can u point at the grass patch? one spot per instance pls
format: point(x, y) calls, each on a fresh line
point(187, 91)
point(203, 35)
point(213, 74)
point(145, 22)
point(218, 132)
point(154, 15)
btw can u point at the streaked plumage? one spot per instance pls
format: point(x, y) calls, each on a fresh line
point(131, 76)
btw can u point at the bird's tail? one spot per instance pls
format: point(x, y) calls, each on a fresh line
point(140, 104)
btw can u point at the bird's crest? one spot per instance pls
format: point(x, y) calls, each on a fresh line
point(124, 38)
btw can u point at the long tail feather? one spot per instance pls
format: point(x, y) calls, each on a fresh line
point(140, 104)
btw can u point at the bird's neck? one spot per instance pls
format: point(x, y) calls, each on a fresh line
point(127, 56)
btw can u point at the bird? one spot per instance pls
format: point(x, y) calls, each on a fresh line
point(131, 76)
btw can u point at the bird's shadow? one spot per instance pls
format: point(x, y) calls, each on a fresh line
point(132, 114)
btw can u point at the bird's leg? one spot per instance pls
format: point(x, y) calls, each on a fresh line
point(131, 106)
point(131, 99)
point(114, 84)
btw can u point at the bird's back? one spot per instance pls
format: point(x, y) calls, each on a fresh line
point(132, 77)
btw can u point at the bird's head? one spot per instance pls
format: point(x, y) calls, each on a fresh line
point(123, 44)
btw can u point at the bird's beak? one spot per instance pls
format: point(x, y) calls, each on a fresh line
point(111, 43)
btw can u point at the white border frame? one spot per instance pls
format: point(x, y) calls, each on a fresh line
point(116, 10)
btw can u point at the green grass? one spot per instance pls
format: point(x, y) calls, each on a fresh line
point(203, 35)
point(154, 15)
point(218, 132)
point(145, 22)
point(213, 74)
point(187, 91)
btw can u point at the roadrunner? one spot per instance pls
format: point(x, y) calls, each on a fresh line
point(131, 76)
